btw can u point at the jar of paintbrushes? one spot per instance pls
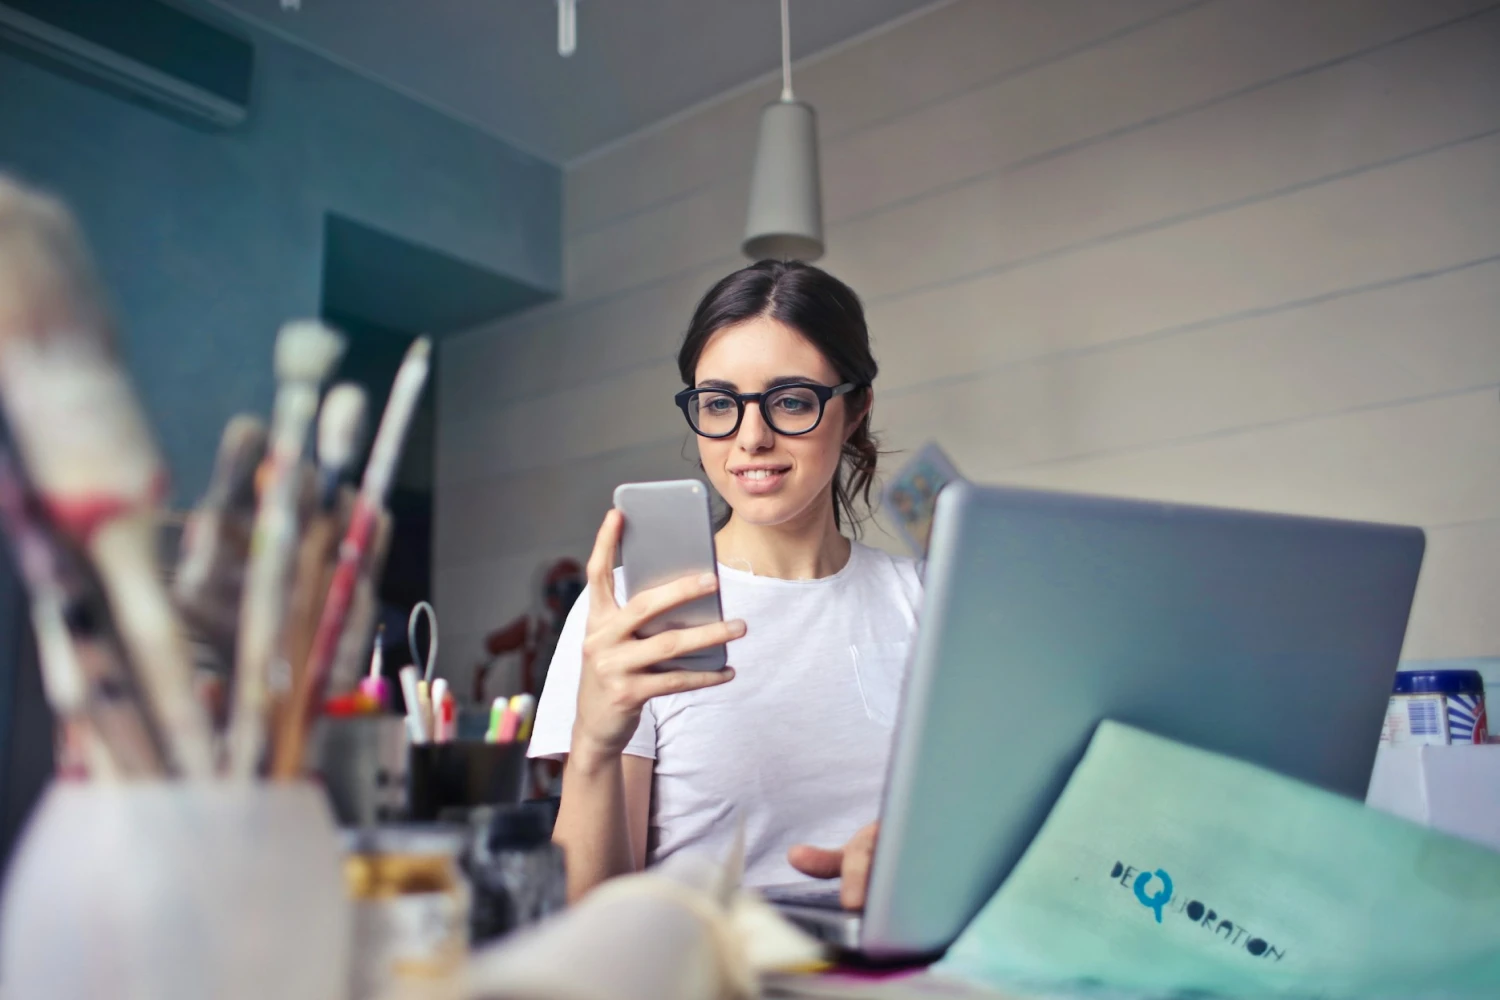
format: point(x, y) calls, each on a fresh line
point(185, 856)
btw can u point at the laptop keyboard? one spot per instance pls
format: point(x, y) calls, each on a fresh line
point(820, 894)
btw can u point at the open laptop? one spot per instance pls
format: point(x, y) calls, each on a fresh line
point(1273, 639)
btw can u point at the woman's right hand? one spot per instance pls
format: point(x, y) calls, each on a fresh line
point(617, 679)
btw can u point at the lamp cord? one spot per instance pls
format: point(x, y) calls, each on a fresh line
point(786, 54)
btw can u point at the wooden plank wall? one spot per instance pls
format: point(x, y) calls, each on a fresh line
point(1239, 252)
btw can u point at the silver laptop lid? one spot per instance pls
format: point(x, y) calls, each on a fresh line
point(1270, 638)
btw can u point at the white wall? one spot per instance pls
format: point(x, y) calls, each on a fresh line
point(1240, 252)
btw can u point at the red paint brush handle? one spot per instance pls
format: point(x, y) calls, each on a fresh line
point(286, 763)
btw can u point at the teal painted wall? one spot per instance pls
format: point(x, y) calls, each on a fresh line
point(209, 240)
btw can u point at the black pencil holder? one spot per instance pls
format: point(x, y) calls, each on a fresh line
point(463, 775)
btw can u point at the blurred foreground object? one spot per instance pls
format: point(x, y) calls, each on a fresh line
point(411, 908)
point(88, 452)
point(518, 875)
point(177, 891)
point(683, 931)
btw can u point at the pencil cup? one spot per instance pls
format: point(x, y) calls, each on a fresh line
point(177, 891)
point(362, 763)
point(463, 775)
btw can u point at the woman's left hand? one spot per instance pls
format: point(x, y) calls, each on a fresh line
point(850, 863)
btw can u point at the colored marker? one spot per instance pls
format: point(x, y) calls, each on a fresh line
point(424, 708)
point(416, 728)
point(373, 686)
point(444, 712)
point(524, 705)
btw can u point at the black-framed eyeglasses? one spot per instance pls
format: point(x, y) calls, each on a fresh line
point(790, 409)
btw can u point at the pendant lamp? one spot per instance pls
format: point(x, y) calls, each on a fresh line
point(785, 219)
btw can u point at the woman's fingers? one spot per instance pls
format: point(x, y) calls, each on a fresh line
point(642, 654)
point(646, 605)
point(648, 686)
point(817, 862)
point(601, 565)
point(851, 863)
point(858, 854)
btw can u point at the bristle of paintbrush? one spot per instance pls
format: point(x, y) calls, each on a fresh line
point(306, 351)
point(47, 282)
point(340, 427)
point(59, 377)
point(216, 540)
point(241, 450)
point(88, 450)
point(231, 488)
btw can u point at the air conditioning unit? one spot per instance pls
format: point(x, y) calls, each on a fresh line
point(143, 50)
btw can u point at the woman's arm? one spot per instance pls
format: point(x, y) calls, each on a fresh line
point(602, 821)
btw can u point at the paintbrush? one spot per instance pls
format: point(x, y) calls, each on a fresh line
point(84, 674)
point(369, 505)
point(88, 451)
point(368, 510)
point(350, 656)
point(210, 577)
point(340, 427)
point(364, 612)
point(306, 352)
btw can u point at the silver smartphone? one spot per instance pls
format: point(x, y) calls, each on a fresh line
point(669, 534)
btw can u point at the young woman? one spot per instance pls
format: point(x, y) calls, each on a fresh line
point(792, 737)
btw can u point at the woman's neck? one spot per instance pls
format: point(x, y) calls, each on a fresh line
point(807, 548)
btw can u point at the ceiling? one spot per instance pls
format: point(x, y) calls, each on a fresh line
point(494, 63)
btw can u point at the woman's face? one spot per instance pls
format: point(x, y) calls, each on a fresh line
point(768, 478)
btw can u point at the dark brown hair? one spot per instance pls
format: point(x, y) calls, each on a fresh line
point(828, 313)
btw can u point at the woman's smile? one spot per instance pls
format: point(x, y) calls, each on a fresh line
point(760, 479)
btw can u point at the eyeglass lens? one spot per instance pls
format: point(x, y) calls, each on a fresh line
point(792, 410)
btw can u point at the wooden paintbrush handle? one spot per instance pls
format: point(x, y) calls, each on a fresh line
point(315, 559)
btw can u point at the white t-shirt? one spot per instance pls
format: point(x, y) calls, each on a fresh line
point(797, 742)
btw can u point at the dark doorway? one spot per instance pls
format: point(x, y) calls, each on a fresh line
point(384, 291)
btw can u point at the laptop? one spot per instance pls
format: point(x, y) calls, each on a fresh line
point(1269, 638)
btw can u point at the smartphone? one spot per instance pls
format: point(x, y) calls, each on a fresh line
point(669, 534)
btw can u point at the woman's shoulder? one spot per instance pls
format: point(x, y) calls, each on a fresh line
point(900, 571)
point(883, 559)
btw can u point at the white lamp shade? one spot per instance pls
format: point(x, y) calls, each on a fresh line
point(785, 220)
